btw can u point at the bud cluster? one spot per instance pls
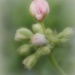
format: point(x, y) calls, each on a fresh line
point(43, 40)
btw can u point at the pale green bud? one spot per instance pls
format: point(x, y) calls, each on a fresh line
point(49, 32)
point(19, 37)
point(68, 32)
point(25, 49)
point(49, 35)
point(23, 33)
point(37, 28)
point(43, 51)
point(30, 61)
point(63, 40)
point(38, 39)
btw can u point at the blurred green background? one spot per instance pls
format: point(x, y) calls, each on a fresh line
point(15, 15)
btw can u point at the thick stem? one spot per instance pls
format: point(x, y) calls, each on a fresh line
point(55, 65)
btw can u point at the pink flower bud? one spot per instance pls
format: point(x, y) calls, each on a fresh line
point(38, 39)
point(39, 9)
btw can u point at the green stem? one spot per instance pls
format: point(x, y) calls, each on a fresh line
point(42, 23)
point(55, 65)
point(52, 59)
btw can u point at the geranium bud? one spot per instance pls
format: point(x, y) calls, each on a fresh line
point(19, 37)
point(37, 28)
point(38, 39)
point(49, 34)
point(45, 50)
point(23, 33)
point(30, 61)
point(68, 32)
point(24, 49)
point(63, 40)
point(39, 9)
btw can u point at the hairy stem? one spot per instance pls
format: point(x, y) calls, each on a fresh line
point(55, 65)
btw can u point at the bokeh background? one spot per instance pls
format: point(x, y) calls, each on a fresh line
point(15, 14)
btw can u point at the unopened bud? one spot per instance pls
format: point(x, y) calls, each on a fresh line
point(63, 40)
point(19, 37)
point(30, 61)
point(24, 49)
point(37, 28)
point(49, 32)
point(38, 39)
point(49, 35)
point(45, 50)
point(23, 33)
point(39, 9)
point(68, 32)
